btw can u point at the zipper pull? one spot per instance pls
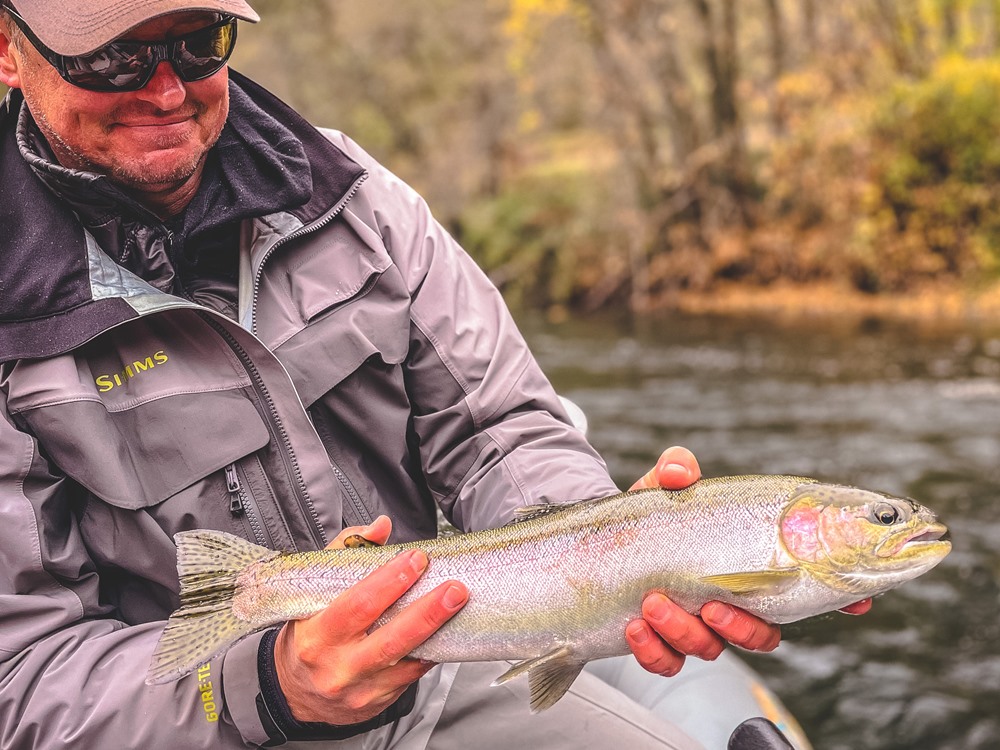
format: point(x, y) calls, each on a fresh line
point(233, 485)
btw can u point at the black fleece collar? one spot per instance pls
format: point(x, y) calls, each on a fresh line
point(256, 168)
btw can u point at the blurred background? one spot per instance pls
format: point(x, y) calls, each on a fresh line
point(673, 153)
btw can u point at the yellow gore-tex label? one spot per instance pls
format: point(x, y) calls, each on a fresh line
point(207, 692)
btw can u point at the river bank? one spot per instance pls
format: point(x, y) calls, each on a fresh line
point(945, 302)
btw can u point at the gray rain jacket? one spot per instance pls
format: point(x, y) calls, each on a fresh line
point(376, 370)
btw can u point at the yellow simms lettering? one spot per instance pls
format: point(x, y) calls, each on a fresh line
point(112, 380)
point(143, 365)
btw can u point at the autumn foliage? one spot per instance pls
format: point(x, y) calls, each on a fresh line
point(592, 153)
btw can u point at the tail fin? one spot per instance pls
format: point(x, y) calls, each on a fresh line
point(208, 563)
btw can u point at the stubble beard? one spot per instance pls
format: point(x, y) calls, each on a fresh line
point(129, 175)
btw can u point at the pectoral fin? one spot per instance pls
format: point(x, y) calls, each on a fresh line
point(549, 676)
point(755, 581)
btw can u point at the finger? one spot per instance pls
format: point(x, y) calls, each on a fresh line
point(858, 608)
point(377, 531)
point(414, 624)
point(683, 632)
point(357, 609)
point(741, 628)
point(676, 469)
point(650, 651)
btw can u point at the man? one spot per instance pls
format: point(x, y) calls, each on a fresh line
point(215, 316)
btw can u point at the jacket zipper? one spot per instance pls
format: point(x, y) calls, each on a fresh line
point(363, 513)
point(288, 454)
point(300, 232)
point(235, 491)
point(318, 535)
point(241, 506)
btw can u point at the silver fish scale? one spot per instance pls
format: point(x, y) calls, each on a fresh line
point(576, 577)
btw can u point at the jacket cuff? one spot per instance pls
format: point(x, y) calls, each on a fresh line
point(241, 687)
point(276, 716)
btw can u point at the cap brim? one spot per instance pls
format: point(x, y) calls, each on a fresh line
point(78, 28)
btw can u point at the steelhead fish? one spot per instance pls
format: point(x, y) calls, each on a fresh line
point(557, 588)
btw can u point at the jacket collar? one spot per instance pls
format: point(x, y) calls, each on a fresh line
point(48, 303)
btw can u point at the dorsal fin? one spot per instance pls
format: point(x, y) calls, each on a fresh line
point(527, 512)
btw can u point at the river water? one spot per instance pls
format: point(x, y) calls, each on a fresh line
point(910, 409)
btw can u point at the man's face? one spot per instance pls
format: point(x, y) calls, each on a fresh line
point(150, 140)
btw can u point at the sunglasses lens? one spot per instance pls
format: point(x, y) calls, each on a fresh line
point(117, 67)
point(203, 53)
point(128, 66)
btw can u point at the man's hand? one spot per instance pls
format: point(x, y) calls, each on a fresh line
point(332, 670)
point(666, 634)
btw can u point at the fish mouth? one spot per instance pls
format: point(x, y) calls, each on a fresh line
point(928, 539)
point(932, 534)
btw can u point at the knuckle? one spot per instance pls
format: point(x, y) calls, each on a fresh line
point(743, 634)
point(658, 657)
point(702, 645)
point(755, 635)
point(356, 701)
point(432, 618)
point(667, 665)
point(770, 641)
point(687, 642)
point(310, 651)
point(391, 650)
point(713, 652)
point(309, 657)
point(363, 606)
point(330, 684)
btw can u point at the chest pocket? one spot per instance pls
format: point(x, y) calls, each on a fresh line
point(134, 434)
point(328, 304)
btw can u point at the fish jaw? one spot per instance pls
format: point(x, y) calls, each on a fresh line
point(915, 542)
point(909, 552)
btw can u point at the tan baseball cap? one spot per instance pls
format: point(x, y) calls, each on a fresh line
point(78, 27)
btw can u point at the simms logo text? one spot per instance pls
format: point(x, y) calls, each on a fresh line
point(106, 382)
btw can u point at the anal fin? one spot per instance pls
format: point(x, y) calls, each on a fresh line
point(549, 676)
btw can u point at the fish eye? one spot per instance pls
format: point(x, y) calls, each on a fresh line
point(885, 514)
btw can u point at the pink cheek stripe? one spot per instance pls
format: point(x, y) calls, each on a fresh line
point(800, 532)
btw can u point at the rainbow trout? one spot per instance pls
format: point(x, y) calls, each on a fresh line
point(556, 588)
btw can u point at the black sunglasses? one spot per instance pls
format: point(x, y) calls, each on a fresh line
point(127, 65)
